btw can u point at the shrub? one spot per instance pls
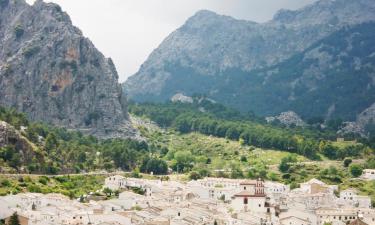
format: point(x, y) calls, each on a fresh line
point(285, 163)
point(18, 30)
point(355, 170)
point(30, 51)
point(5, 183)
point(347, 162)
point(7, 69)
point(194, 175)
point(43, 180)
point(34, 188)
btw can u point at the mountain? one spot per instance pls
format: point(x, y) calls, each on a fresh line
point(271, 67)
point(50, 71)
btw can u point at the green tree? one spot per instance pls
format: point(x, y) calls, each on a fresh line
point(286, 162)
point(157, 166)
point(107, 191)
point(330, 151)
point(51, 142)
point(14, 219)
point(347, 162)
point(183, 161)
point(355, 170)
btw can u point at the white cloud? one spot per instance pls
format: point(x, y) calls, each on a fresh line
point(128, 30)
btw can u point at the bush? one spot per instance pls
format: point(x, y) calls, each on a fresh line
point(285, 163)
point(194, 175)
point(347, 162)
point(34, 188)
point(18, 30)
point(30, 51)
point(43, 180)
point(355, 170)
point(5, 183)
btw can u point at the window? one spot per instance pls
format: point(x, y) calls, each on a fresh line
point(245, 201)
point(260, 205)
point(179, 214)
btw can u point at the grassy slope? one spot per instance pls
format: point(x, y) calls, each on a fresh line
point(223, 151)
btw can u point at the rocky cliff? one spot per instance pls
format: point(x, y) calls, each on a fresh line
point(50, 71)
point(238, 62)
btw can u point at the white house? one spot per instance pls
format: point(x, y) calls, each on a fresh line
point(213, 191)
point(115, 182)
point(314, 186)
point(335, 216)
point(351, 198)
point(294, 220)
point(297, 217)
point(368, 174)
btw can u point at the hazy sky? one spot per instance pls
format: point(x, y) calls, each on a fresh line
point(128, 30)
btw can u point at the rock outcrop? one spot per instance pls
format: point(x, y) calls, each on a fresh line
point(27, 151)
point(287, 118)
point(182, 98)
point(363, 125)
point(50, 71)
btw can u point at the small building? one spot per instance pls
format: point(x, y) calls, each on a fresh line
point(368, 174)
point(115, 182)
point(251, 197)
point(294, 220)
point(315, 186)
point(336, 216)
point(351, 198)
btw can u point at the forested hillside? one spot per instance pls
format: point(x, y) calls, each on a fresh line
point(214, 119)
point(56, 150)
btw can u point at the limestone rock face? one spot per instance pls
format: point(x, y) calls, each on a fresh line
point(182, 98)
point(10, 136)
point(363, 125)
point(315, 61)
point(50, 71)
point(287, 118)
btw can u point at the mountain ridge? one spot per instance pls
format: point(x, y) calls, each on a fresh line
point(202, 59)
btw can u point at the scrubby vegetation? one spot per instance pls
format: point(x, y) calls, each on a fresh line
point(72, 186)
point(60, 151)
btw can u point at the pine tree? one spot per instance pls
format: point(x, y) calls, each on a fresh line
point(14, 219)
